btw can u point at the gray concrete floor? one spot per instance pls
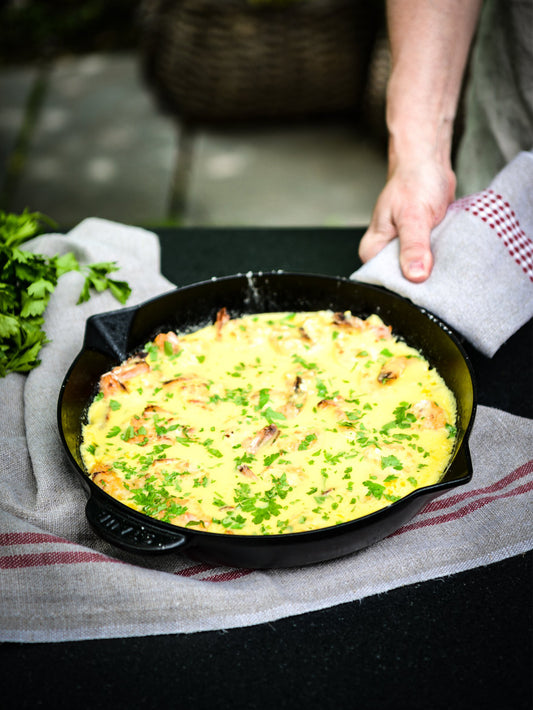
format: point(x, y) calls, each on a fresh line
point(86, 138)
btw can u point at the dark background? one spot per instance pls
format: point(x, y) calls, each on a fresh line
point(35, 30)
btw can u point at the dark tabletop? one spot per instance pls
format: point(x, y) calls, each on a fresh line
point(463, 641)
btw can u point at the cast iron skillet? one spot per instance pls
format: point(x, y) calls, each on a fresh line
point(112, 337)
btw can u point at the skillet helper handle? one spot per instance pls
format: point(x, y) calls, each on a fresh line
point(127, 533)
point(107, 333)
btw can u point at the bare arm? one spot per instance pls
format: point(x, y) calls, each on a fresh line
point(430, 42)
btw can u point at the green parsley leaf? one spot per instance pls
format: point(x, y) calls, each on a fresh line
point(304, 363)
point(392, 461)
point(321, 389)
point(306, 443)
point(264, 397)
point(269, 460)
point(271, 414)
point(452, 431)
point(27, 280)
point(374, 489)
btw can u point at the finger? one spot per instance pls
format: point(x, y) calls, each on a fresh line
point(416, 259)
point(373, 241)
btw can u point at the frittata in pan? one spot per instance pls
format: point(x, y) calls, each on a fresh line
point(270, 423)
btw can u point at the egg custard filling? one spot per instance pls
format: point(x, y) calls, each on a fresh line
point(270, 423)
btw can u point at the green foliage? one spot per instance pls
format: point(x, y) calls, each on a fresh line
point(27, 281)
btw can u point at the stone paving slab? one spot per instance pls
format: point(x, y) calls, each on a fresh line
point(327, 173)
point(100, 147)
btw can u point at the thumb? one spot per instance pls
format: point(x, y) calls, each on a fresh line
point(416, 259)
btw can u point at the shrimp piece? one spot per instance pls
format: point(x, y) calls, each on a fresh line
point(193, 514)
point(429, 414)
point(296, 475)
point(193, 389)
point(108, 480)
point(162, 338)
point(155, 409)
point(296, 400)
point(140, 436)
point(110, 385)
point(307, 440)
point(133, 367)
point(114, 381)
point(332, 406)
point(373, 454)
point(304, 334)
point(246, 471)
point(289, 341)
point(380, 330)
point(221, 320)
point(347, 320)
point(148, 424)
point(265, 436)
point(162, 424)
point(174, 462)
point(176, 465)
point(392, 369)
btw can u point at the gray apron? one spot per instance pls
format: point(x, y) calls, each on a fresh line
point(499, 99)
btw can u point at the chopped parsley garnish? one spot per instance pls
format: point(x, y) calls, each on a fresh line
point(304, 363)
point(269, 460)
point(452, 431)
point(264, 398)
point(392, 461)
point(271, 415)
point(305, 444)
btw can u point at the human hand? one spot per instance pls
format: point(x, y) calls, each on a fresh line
point(412, 203)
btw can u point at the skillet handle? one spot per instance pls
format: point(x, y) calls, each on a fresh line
point(126, 532)
point(107, 333)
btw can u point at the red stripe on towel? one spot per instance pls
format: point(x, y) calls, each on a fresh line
point(229, 576)
point(196, 569)
point(442, 503)
point(29, 538)
point(47, 559)
point(465, 510)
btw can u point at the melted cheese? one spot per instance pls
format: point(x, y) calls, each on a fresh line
point(270, 423)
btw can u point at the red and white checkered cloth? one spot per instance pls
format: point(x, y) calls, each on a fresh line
point(59, 581)
point(482, 279)
point(494, 211)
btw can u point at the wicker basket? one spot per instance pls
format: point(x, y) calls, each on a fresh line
point(219, 60)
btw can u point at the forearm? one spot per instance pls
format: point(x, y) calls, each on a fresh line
point(430, 42)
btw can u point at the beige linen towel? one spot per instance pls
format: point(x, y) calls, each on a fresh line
point(59, 581)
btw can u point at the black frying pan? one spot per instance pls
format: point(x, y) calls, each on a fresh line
point(112, 337)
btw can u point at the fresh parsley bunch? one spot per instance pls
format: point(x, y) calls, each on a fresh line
point(26, 282)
